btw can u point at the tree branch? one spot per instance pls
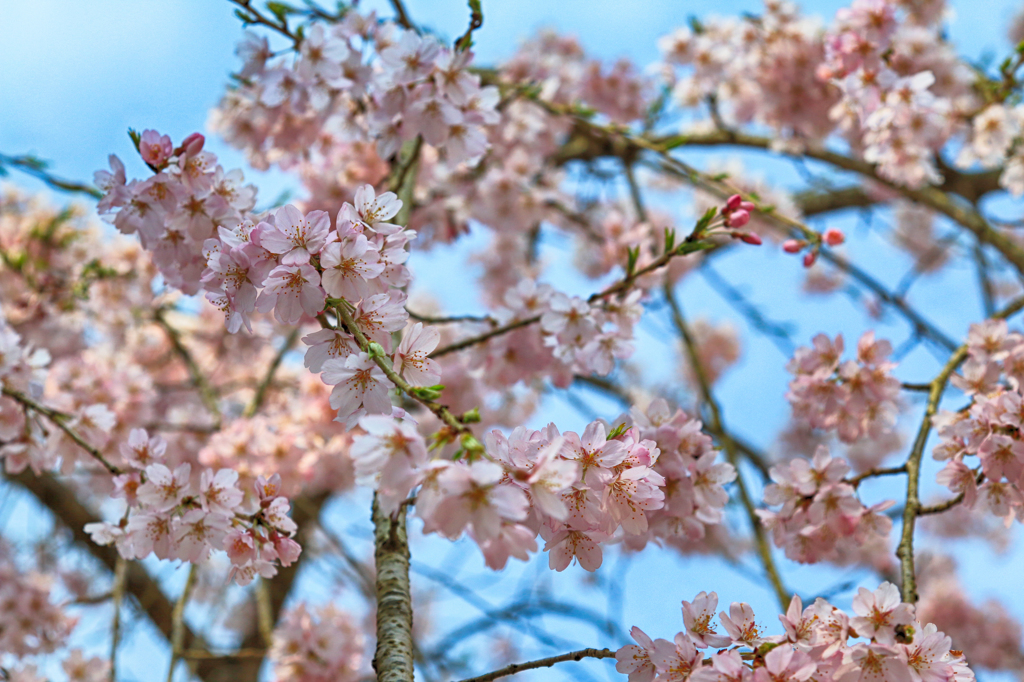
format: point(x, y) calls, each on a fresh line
point(543, 663)
point(717, 425)
point(393, 660)
point(905, 550)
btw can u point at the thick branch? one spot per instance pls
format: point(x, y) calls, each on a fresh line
point(66, 507)
point(393, 660)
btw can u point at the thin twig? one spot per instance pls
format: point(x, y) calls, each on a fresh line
point(691, 244)
point(120, 575)
point(178, 620)
point(402, 16)
point(441, 411)
point(717, 424)
point(206, 393)
point(60, 420)
point(760, 538)
point(875, 473)
point(905, 549)
point(268, 377)
point(37, 169)
point(543, 663)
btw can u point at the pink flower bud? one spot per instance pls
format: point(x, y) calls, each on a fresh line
point(751, 238)
point(833, 237)
point(793, 246)
point(193, 144)
point(733, 203)
point(809, 258)
point(747, 206)
point(738, 218)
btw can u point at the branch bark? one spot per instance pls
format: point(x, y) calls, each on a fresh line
point(393, 660)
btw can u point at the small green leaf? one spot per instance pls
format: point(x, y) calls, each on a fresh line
point(705, 220)
point(670, 240)
point(693, 247)
point(375, 350)
point(632, 255)
point(618, 431)
point(470, 417)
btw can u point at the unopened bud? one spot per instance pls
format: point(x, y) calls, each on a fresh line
point(733, 202)
point(738, 218)
point(810, 257)
point(193, 144)
point(751, 238)
point(833, 237)
point(793, 246)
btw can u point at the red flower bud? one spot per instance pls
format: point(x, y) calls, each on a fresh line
point(809, 258)
point(733, 203)
point(793, 246)
point(751, 238)
point(833, 237)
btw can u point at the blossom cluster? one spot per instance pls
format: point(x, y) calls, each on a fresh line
point(575, 490)
point(173, 518)
point(359, 80)
point(33, 624)
point(991, 428)
point(176, 210)
point(855, 398)
point(821, 517)
point(24, 440)
point(994, 139)
point(695, 480)
point(758, 70)
point(318, 647)
point(883, 640)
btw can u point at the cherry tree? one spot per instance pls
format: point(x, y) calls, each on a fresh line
point(192, 376)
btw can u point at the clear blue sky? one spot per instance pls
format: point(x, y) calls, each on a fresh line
point(74, 76)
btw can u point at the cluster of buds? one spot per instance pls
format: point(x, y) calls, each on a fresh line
point(727, 220)
point(831, 237)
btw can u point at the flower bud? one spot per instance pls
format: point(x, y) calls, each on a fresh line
point(738, 218)
point(833, 237)
point(810, 257)
point(193, 144)
point(733, 202)
point(751, 238)
point(793, 246)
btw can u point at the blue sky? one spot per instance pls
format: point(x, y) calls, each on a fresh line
point(75, 76)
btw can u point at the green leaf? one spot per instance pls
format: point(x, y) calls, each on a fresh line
point(705, 220)
point(618, 431)
point(470, 417)
point(670, 240)
point(280, 10)
point(693, 247)
point(632, 255)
